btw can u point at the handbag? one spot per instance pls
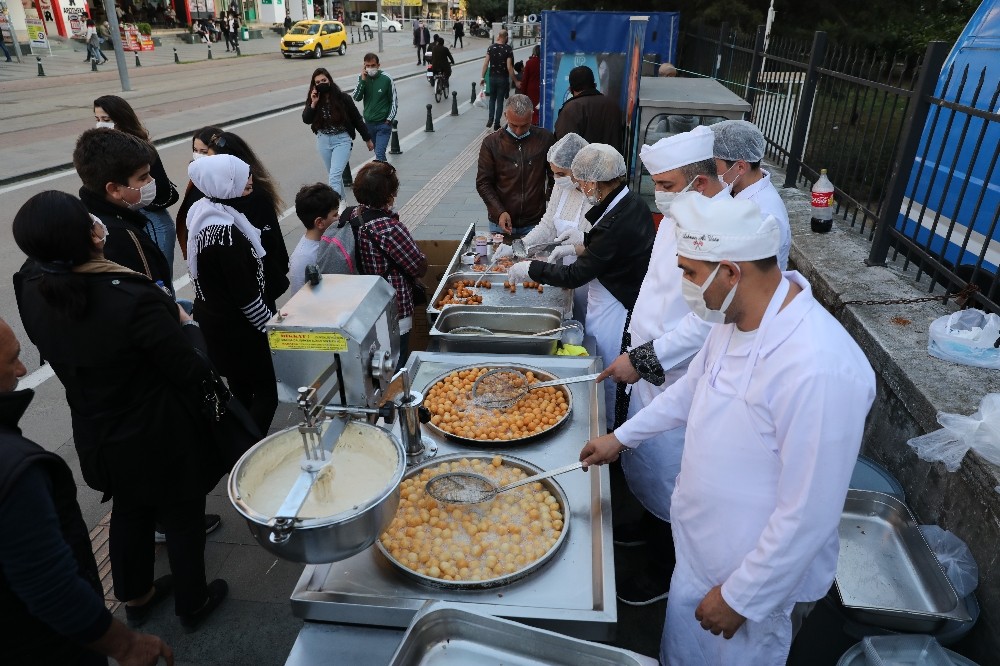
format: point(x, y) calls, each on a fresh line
point(233, 429)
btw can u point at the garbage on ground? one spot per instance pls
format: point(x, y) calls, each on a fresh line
point(967, 337)
point(955, 557)
point(980, 432)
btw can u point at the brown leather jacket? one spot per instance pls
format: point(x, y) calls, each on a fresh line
point(514, 175)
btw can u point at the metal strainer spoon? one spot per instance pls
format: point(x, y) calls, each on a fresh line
point(471, 488)
point(479, 330)
point(502, 388)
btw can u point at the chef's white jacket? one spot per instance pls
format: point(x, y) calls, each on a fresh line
point(766, 196)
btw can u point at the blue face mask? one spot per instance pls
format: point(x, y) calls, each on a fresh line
point(518, 136)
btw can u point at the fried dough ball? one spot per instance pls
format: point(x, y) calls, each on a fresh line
point(475, 542)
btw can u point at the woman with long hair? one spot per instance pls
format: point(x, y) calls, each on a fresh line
point(94, 40)
point(231, 302)
point(199, 148)
point(335, 120)
point(384, 244)
point(126, 356)
point(113, 111)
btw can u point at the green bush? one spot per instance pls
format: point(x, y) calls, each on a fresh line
point(145, 29)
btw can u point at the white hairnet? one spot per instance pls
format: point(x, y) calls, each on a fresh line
point(598, 163)
point(738, 140)
point(565, 149)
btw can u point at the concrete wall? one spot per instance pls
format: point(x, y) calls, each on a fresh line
point(912, 388)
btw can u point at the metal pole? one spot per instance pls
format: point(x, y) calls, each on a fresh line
point(429, 126)
point(510, 12)
point(756, 65)
point(807, 92)
point(723, 31)
point(116, 39)
point(913, 127)
point(378, 17)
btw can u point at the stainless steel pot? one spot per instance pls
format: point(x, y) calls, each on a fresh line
point(328, 538)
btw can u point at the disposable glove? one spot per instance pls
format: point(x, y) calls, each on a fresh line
point(557, 254)
point(503, 251)
point(518, 273)
point(570, 237)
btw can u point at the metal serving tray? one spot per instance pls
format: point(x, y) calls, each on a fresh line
point(443, 634)
point(887, 575)
point(573, 594)
point(555, 298)
point(501, 320)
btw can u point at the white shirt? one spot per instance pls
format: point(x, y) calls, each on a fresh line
point(809, 393)
point(766, 196)
point(305, 253)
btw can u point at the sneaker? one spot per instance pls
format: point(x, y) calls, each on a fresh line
point(217, 591)
point(212, 523)
point(642, 590)
point(137, 615)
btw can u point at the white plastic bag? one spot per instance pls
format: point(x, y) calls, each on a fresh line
point(981, 432)
point(967, 337)
point(481, 101)
point(955, 557)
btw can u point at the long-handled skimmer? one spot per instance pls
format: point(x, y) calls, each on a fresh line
point(472, 488)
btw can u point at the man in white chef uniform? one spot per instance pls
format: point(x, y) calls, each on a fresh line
point(739, 148)
point(664, 336)
point(775, 406)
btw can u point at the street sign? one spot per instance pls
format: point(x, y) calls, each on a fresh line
point(36, 34)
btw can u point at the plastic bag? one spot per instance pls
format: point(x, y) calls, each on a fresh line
point(955, 557)
point(914, 650)
point(481, 101)
point(968, 337)
point(980, 432)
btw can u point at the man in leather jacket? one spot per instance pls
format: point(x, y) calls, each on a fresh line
point(592, 115)
point(513, 175)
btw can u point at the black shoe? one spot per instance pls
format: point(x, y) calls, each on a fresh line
point(212, 523)
point(217, 591)
point(496, 128)
point(643, 590)
point(137, 615)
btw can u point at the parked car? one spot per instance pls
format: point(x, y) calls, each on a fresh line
point(314, 37)
point(368, 20)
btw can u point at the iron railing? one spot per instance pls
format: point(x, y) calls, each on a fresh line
point(861, 115)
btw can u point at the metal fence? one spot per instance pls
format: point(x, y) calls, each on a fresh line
point(861, 115)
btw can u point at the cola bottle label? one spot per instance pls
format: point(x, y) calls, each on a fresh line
point(822, 199)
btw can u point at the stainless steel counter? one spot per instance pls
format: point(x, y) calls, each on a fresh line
point(573, 594)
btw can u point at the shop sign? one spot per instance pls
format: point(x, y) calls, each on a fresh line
point(36, 33)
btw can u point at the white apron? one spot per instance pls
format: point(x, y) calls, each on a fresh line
point(724, 497)
point(562, 224)
point(606, 322)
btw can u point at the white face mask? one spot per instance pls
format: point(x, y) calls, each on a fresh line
point(728, 187)
point(197, 156)
point(371, 71)
point(109, 125)
point(593, 198)
point(147, 193)
point(97, 221)
point(695, 298)
point(664, 200)
point(563, 182)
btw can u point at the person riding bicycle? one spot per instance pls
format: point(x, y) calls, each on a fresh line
point(441, 59)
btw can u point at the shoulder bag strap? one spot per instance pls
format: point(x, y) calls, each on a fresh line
point(142, 255)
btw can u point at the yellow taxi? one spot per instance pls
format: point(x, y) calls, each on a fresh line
point(314, 37)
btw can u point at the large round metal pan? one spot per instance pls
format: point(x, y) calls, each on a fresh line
point(506, 579)
point(539, 373)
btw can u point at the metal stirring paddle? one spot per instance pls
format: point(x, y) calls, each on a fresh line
point(472, 488)
point(501, 388)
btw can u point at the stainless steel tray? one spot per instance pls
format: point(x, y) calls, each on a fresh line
point(506, 579)
point(501, 320)
point(887, 575)
point(555, 298)
point(573, 594)
point(444, 634)
point(493, 443)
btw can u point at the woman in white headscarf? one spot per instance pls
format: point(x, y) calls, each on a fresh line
point(224, 255)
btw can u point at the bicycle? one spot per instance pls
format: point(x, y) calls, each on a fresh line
point(441, 90)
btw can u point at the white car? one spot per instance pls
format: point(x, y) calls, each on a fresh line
point(368, 20)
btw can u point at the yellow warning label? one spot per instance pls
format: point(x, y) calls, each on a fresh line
point(299, 341)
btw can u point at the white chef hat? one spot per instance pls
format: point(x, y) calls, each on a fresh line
point(738, 140)
point(679, 150)
point(724, 228)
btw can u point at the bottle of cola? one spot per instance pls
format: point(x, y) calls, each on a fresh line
point(822, 204)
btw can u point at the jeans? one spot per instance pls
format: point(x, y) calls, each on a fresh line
point(163, 231)
point(420, 54)
point(516, 232)
point(381, 132)
point(458, 38)
point(499, 90)
point(335, 151)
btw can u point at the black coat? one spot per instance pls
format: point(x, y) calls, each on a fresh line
point(617, 254)
point(353, 122)
point(133, 383)
point(595, 117)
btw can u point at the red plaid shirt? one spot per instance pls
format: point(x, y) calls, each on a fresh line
point(384, 247)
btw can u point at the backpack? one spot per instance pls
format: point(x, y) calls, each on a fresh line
point(338, 252)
